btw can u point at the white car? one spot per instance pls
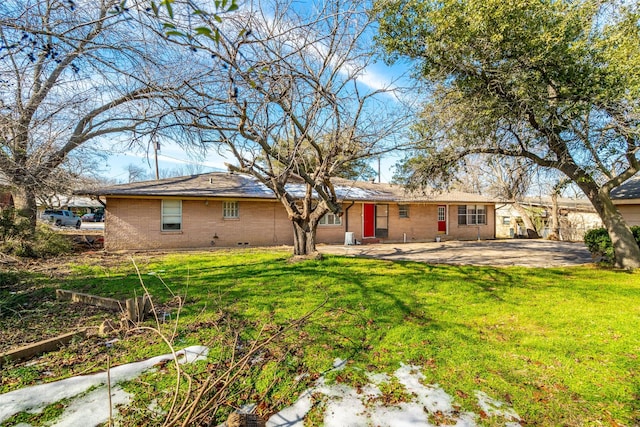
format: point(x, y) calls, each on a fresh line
point(61, 218)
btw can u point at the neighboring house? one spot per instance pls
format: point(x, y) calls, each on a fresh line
point(77, 204)
point(626, 197)
point(577, 216)
point(231, 210)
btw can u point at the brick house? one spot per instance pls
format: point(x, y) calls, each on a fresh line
point(626, 197)
point(229, 210)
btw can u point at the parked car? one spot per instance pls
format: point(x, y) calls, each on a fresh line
point(61, 218)
point(88, 217)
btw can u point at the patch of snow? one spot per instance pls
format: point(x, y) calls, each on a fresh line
point(432, 397)
point(35, 398)
point(93, 406)
point(339, 364)
point(495, 408)
point(348, 407)
point(343, 406)
point(293, 416)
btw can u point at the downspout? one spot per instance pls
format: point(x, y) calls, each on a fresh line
point(104, 204)
point(346, 216)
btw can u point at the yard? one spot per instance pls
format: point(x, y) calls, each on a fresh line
point(560, 345)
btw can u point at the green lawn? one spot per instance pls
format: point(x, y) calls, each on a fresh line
point(560, 345)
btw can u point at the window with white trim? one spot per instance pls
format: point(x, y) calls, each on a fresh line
point(230, 210)
point(330, 219)
point(403, 211)
point(171, 215)
point(472, 215)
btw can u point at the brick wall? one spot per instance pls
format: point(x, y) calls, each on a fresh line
point(136, 224)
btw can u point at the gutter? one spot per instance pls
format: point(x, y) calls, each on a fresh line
point(346, 216)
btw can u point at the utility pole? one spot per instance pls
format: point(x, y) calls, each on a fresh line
point(156, 148)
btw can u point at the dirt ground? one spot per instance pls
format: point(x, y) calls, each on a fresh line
point(499, 253)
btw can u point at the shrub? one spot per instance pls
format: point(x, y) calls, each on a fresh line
point(599, 243)
point(13, 225)
point(16, 238)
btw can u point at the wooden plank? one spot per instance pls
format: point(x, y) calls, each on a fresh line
point(30, 350)
point(137, 308)
point(108, 303)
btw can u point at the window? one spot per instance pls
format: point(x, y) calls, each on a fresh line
point(230, 210)
point(506, 220)
point(462, 215)
point(382, 221)
point(330, 219)
point(403, 211)
point(171, 215)
point(472, 215)
point(442, 212)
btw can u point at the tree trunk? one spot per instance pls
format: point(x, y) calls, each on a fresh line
point(304, 237)
point(24, 200)
point(626, 250)
point(555, 218)
point(528, 223)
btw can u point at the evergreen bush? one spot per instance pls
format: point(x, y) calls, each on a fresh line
point(599, 243)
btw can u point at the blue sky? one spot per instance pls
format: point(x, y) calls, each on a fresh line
point(172, 157)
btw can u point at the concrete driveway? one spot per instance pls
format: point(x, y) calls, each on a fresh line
point(527, 253)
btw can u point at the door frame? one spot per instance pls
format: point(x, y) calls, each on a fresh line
point(445, 227)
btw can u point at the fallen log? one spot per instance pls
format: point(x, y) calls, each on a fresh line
point(34, 349)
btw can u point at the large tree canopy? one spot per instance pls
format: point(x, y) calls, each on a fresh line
point(73, 72)
point(283, 93)
point(556, 82)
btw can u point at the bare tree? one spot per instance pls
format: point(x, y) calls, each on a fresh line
point(71, 73)
point(137, 173)
point(556, 191)
point(511, 180)
point(284, 92)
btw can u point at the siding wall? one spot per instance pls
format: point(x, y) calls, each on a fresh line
point(631, 213)
point(136, 224)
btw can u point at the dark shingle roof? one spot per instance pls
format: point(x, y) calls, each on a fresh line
point(628, 190)
point(228, 185)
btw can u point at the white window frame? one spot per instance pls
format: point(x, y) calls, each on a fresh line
point(171, 217)
point(230, 210)
point(442, 213)
point(403, 211)
point(472, 215)
point(330, 219)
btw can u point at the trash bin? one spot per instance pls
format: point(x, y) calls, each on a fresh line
point(349, 238)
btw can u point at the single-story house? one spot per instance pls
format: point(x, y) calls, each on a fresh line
point(577, 216)
point(229, 210)
point(626, 197)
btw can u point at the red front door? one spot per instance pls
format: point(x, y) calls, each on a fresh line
point(369, 220)
point(442, 219)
